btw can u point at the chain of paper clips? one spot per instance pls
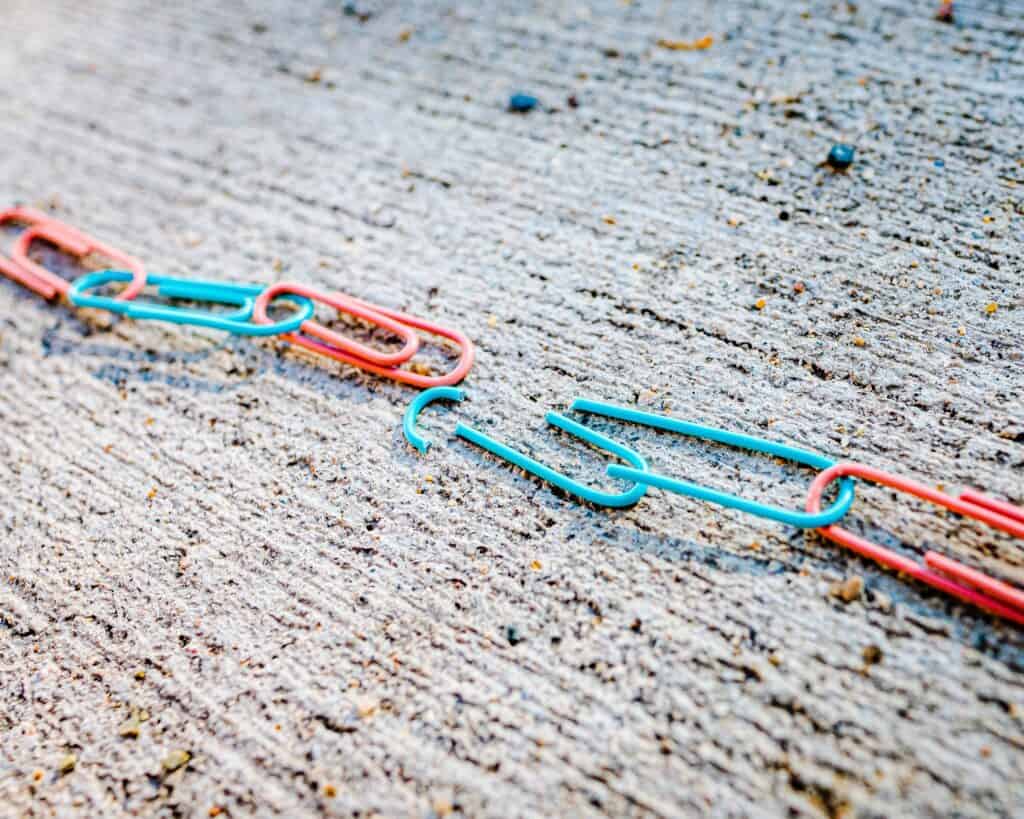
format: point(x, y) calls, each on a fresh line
point(252, 303)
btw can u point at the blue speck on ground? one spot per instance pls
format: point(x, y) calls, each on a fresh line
point(841, 156)
point(522, 103)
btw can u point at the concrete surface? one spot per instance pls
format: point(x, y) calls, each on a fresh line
point(217, 548)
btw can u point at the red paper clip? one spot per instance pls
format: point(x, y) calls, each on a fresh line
point(343, 304)
point(71, 240)
point(29, 216)
point(394, 373)
point(941, 572)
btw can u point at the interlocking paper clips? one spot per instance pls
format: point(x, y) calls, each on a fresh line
point(938, 572)
point(253, 302)
point(564, 482)
point(250, 317)
point(534, 467)
point(394, 373)
point(237, 322)
point(71, 240)
point(736, 439)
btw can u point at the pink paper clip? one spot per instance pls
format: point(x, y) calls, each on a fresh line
point(943, 573)
point(394, 373)
point(71, 240)
point(32, 217)
point(343, 304)
point(994, 588)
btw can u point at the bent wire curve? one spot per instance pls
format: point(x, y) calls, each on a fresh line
point(237, 322)
point(941, 572)
point(336, 341)
point(380, 314)
point(413, 379)
point(803, 520)
point(417, 406)
point(557, 478)
point(71, 240)
point(31, 217)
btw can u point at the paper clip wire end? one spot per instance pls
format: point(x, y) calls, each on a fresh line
point(419, 403)
point(564, 482)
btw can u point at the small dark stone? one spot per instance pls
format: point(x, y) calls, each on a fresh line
point(513, 635)
point(784, 215)
point(841, 156)
point(260, 28)
point(353, 10)
point(522, 103)
point(573, 102)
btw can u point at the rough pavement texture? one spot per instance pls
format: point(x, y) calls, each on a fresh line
point(222, 548)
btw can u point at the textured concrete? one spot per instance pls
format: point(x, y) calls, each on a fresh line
point(223, 548)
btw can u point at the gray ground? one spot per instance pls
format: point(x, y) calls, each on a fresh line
point(236, 542)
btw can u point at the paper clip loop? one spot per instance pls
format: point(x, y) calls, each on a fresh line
point(237, 322)
point(939, 572)
point(557, 478)
point(32, 217)
point(412, 413)
point(414, 379)
point(336, 341)
point(800, 456)
point(73, 241)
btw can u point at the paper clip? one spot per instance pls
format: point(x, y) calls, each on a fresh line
point(73, 241)
point(800, 456)
point(939, 572)
point(394, 373)
point(336, 341)
point(1008, 510)
point(30, 216)
point(237, 322)
point(416, 407)
point(557, 478)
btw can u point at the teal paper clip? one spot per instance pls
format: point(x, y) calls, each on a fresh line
point(417, 406)
point(241, 295)
point(803, 520)
point(557, 478)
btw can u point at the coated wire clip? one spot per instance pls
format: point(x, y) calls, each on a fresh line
point(336, 341)
point(793, 518)
point(71, 240)
point(238, 321)
point(564, 482)
point(513, 456)
point(32, 217)
point(412, 413)
point(938, 571)
point(379, 315)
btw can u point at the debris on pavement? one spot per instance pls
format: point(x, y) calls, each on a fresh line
point(522, 103)
point(687, 45)
point(840, 157)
